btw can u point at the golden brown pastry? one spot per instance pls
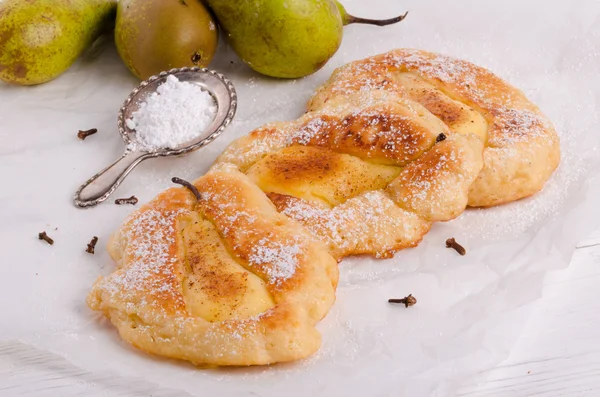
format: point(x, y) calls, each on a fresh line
point(429, 133)
point(521, 146)
point(226, 280)
point(374, 166)
point(388, 146)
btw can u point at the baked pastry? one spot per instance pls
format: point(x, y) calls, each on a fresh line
point(421, 134)
point(225, 280)
point(388, 146)
point(521, 146)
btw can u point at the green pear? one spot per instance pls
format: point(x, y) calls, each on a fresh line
point(285, 38)
point(39, 40)
point(157, 35)
point(281, 38)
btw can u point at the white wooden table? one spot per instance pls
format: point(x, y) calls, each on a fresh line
point(558, 353)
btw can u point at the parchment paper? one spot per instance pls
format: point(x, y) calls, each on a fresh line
point(470, 309)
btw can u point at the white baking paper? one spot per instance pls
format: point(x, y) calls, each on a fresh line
point(470, 309)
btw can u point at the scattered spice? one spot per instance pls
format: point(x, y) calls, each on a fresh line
point(92, 245)
point(188, 185)
point(45, 237)
point(131, 200)
point(451, 243)
point(440, 138)
point(406, 301)
point(84, 134)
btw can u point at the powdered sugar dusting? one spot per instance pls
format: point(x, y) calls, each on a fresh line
point(439, 66)
point(150, 237)
point(513, 120)
point(281, 258)
point(271, 250)
point(380, 132)
point(370, 223)
point(248, 150)
point(517, 129)
point(234, 332)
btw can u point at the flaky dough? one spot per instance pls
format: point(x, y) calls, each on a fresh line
point(389, 145)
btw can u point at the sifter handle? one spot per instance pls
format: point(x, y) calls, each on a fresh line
point(99, 187)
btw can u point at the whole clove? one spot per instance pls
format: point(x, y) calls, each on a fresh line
point(440, 138)
point(131, 200)
point(451, 243)
point(188, 185)
point(45, 237)
point(407, 301)
point(84, 134)
point(92, 245)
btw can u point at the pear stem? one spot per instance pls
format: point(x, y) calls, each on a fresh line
point(379, 22)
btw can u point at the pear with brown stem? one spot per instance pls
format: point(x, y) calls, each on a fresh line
point(286, 38)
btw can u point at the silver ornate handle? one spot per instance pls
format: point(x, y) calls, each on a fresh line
point(99, 187)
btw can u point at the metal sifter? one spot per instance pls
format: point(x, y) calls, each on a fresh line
point(99, 187)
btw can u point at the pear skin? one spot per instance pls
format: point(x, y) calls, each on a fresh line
point(281, 38)
point(157, 35)
point(39, 40)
